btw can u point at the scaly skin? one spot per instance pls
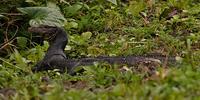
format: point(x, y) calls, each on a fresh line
point(56, 59)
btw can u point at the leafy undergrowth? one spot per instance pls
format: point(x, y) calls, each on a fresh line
point(130, 28)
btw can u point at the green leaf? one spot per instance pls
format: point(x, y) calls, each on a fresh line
point(2, 16)
point(52, 5)
point(43, 16)
point(73, 10)
point(81, 40)
point(21, 61)
point(31, 1)
point(136, 7)
point(21, 41)
point(86, 35)
point(194, 9)
point(119, 90)
point(69, 25)
point(113, 1)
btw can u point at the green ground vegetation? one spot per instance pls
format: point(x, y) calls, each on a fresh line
point(102, 27)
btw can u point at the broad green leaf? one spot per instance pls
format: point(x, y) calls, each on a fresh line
point(81, 40)
point(136, 7)
point(68, 47)
point(72, 10)
point(43, 16)
point(70, 25)
point(86, 35)
point(113, 1)
point(77, 40)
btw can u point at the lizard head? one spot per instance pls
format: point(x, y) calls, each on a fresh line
point(48, 32)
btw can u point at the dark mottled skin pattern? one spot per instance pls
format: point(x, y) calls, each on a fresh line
point(56, 59)
point(55, 56)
